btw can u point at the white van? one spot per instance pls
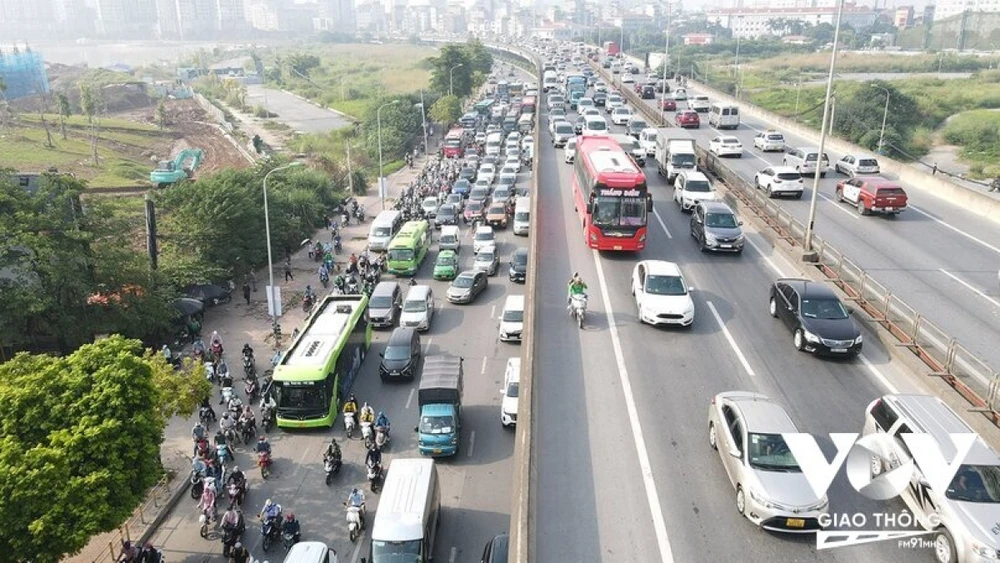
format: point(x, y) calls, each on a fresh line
point(409, 510)
point(494, 141)
point(511, 385)
point(594, 125)
point(384, 227)
point(522, 215)
point(512, 319)
point(450, 238)
point(311, 552)
point(418, 308)
point(724, 116)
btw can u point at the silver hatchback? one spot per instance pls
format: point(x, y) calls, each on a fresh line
point(771, 491)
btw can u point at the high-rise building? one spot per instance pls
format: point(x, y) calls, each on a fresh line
point(903, 17)
point(948, 8)
point(195, 18)
point(229, 15)
point(337, 16)
point(26, 11)
point(127, 19)
point(759, 22)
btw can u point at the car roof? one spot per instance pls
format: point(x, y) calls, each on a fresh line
point(446, 252)
point(809, 288)
point(694, 175)
point(661, 268)
point(760, 413)
point(401, 335)
point(716, 207)
point(468, 274)
point(783, 169)
point(729, 138)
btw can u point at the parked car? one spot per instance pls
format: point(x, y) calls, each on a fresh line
point(779, 180)
point(687, 119)
point(852, 165)
point(209, 293)
point(819, 322)
point(873, 194)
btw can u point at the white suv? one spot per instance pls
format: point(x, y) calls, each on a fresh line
point(620, 115)
point(690, 187)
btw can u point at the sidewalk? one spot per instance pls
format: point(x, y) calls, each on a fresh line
point(239, 323)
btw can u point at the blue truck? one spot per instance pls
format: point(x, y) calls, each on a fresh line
point(439, 397)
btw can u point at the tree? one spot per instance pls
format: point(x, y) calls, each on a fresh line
point(446, 110)
point(161, 114)
point(45, 103)
point(300, 63)
point(90, 103)
point(80, 439)
point(447, 75)
point(858, 116)
point(65, 110)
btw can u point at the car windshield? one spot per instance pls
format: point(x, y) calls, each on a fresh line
point(382, 231)
point(564, 128)
point(665, 285)
point(683, 160)
point(769, 452)
point(637, 125)
point(520, 259)
point(430, 202)
point(380, 302)
point(479, 193)
point(512, 389)
point(474, 206)
point(730, 141)
point(484, 256)
point(400, 254)
point(415, 306)
point(976, 483)
point(496, 210)
point(620, 211)
point(721, 220)
point(396, 552)
point(446, 210)
point(697, 186)
point(789, 176)
point(513, 316)
point(463, 282)
point(597, 125)
point(446, 260)
point(828, 309)
point(867, 162)
point(484, 235)
point(397, 352)
point(434, 425)
point(775, 138)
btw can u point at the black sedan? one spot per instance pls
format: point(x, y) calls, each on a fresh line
point(209, 293)
point(468, 173)
point(819, 322)
point(519, 265)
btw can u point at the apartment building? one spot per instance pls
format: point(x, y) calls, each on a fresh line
point(750, 23)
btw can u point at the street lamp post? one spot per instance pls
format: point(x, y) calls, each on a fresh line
point(381, 178)
point(737, 65)
point(666, 63)
point(271, 297)
point(451, 79)
point(809, 254)
point(885, 117)
point(423, 119)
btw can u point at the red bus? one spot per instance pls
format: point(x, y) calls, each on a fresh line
point(453, 143)
point(528, 104)
point(611, 195)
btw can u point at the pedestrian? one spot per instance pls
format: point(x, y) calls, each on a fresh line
point(288, 271)
point(326, 221)
point(246, 292)
point(288, 253)
point(934, 170)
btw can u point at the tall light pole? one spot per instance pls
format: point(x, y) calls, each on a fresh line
point(621, 46)
point(809, 255)
point(381, 177)
point(272, 298)
point(666, 63)
point(423, 118)
point(885, 117)
point(737, 65)
point(451, 79)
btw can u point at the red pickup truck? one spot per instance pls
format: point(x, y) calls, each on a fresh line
point(872, 194)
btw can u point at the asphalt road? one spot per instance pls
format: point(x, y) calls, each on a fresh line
point(937, 257)
point(475, 485)
point(298, 113)
point(625, 471)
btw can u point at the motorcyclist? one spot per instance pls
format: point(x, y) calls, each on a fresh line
point(226, 424)
point(373, 458)
point(270, 512)
point(382, 421)
point(150, 554)
point(232, 519)
point(351, 405)
point(292, 527)
point(223, 371)
point(332, 452)
point(367, 414)
point(237, 477)
point(239, 554)
point(247, 350)
point(207, 502)
point(167, 354)
point(206, 411)
point(130, 553)
point(263, 446)
point(198, 432)
point(235, 404)
point(576, 287)
point(268, 403)
point(356, 498)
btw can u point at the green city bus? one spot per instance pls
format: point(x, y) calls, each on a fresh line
point(318, 369)
point(409, 248)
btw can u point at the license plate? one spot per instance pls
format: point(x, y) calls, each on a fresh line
point(437, 450)
point(839, 350)
point(725, 246)
point(795, 523)
point(618, 247)
point(888, 209)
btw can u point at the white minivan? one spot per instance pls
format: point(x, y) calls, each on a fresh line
point(409, 510)
point(450, 239)
point(311, 552)
point(724, 116)
point(384, 227)
point(522, 215)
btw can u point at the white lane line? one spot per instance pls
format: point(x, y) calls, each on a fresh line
point(956, 229)
point(767, 259)
point(652, 497)
point(409, 398)
point(975, 290)
point(663, 224)
point(304, 456)
point(878, 375)
point(427, 350)
point(731, 340)
point(840, 207)
point(493, 311)
point(472, 443)
point(357, 549)
point(482, 370)
point(452, 555)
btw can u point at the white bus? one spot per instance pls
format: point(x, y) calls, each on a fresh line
point(724, 116)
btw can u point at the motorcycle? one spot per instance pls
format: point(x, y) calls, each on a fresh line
point(307, 303)
point(324, 280)
point(237, 494)
point(231, 535)
point(264, 462)
point(355, 521)
point(381, 436)
point(270, 531)
point(349, 423)
point(204, 519)
point(338, 245)
point(247, 432)
point(288, 540)
point(578, 308)
point(206, 416)
point(197, 484)
point(249, 365)
point(251, 389)
point(224, 454)
point(332, 467)
point(217, 348)
point(227, 394)
point(367, 434)
point(266, 419)
point(375, 477)
point(316, 253)
point(352, 286)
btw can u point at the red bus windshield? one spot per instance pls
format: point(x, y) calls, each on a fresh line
point(453, 143)
point(612, 185)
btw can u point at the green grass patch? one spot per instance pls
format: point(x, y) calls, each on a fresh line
point(978, 133)
point(81, 121)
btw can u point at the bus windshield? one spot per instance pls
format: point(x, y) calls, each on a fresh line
point(400, 254)
point(302, 397)
point(620, 211)
point(396, 551)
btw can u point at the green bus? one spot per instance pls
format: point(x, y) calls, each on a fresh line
point(409, 248)
point(319, 368)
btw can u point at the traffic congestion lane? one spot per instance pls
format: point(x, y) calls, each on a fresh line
point(475, 485)
point(673, 407)
point(936, 256)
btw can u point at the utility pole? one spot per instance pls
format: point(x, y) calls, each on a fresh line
point(350, 175)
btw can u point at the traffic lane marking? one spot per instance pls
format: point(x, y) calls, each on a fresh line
point(838, 206)
point(971, 287)
point(732, 341)
point(955, 229)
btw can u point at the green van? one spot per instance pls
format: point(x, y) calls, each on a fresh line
point(409, 247)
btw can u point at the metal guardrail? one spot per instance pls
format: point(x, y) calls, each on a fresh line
point(968, 374)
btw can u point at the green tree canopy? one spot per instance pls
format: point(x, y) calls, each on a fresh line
point(79, 441)
point(446, 73)
point(446, 110)
point(858, 116)
point(401, 125)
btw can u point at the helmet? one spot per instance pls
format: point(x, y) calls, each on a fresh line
point(267, 503)
point(351, 398)
point(354, 491)
point(239, 545)
point(365, 405)
point(262, 439)
point(290, 517)
point(236, 469)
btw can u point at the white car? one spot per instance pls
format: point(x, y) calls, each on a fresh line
point(430, 205)
point(772, 491)
point(621, 115)
point(591, 111)
point(661, 294)
point(769, 141)
point(508, 175)
point(628, 78)
point(487, 172)
point(779, 180)
point(690, 187)
point(726, 145)
point(852, 165)
point(569, 152)
point(700, 103)
point(481, 137)
point(511, 144)
point(513, 162)
point(584, 103)
point(679, 95)
point(511, 383)
point(484, 237)
point(613, 101)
